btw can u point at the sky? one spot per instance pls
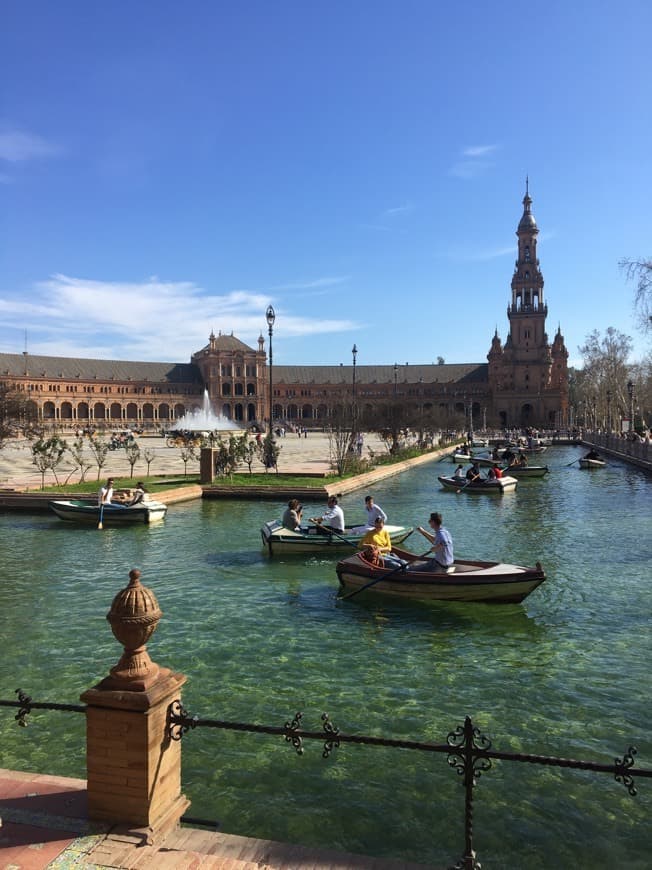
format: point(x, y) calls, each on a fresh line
point(169, 169)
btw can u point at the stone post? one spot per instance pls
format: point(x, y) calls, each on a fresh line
point(206, 465)
point(133, 768)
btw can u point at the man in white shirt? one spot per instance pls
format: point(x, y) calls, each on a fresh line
point(332, 518)
point(106, 493)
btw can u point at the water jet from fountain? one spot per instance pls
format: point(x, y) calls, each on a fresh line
point(204, 419)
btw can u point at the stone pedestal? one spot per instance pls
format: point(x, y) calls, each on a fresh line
point(133, 767)
point(206, 465)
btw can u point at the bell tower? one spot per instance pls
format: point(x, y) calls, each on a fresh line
point(526, 390)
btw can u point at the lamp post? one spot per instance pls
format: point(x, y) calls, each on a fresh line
point(608, 412)
point(354, 352)
point(630, 392)
point(270, 316)
point(395, 380)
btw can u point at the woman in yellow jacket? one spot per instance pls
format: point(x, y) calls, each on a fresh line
point(377, 537)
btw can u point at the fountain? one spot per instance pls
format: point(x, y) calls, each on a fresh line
point(204, 419)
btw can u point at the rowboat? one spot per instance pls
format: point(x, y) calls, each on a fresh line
point(465, 459)
point(495, 486)
point(111, 514)
point(519, 471)
point(465, 580)
point(315, 539)
point(592, 463)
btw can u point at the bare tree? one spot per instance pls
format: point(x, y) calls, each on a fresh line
point(641, 272)
point(149, 456)
point(601, 385)
point(188, 454)
point(100, 450)
point(78, 456)
point(47, 453)
point(133, 455)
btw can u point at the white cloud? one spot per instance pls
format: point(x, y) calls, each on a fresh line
point(148, 320)
point(16, 146)
point(479, 150)
point(474, 161)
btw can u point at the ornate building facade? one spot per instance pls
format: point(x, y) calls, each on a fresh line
point(524, 382)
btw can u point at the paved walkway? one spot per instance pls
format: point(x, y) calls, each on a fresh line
point(298, 456)
point(43, 824)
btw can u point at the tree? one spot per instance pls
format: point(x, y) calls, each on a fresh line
point(187, 454)
point(100, 450)
point(78, 456)
point(268, 452)
point(602, 383)
point(47, 454)
point(149, 456)
point(641, 272)
point(133, 455)
point(17, 413)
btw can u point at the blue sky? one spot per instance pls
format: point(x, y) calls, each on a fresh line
point(167, 169)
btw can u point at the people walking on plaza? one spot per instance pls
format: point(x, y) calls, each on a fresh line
point(332, 518)
point(442, 544)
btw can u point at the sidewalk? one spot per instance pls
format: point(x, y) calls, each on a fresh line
point(43, 824)
point(298, 456)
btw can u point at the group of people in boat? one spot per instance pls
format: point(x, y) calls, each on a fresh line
point(375, 543)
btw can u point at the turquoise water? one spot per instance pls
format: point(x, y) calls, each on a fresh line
point(565, 673)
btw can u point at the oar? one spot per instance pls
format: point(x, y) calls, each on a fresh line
point(99, 525)
point(570, 463)
point(332, 532)
point(377, 580)
point(470, 480)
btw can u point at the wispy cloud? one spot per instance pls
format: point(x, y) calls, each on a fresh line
point(17, 146)
point(474, 161)
point(397, 210)
point(148, 320)
point(313, 284)
point(386, 221)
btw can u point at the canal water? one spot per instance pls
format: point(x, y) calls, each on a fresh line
point(567, 672)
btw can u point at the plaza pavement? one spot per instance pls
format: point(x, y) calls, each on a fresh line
point(298, 455)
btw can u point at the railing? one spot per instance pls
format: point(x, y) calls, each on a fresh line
point(468, 751)
point(641, 450)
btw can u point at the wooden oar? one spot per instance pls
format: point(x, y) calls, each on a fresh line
point(100, 525)
point(470, 480)
point(330, 531)
point(570, 463)
point(377, 580)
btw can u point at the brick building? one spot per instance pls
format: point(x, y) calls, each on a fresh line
point(524, 382)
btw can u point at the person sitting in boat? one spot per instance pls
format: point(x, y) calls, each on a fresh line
point(592, 454)
point(495, 453)
point(377, 537)
point(498, 472)
point(292, 516)
point(465, 449)
point(105, 494)
point(491, 474)
point(459, 473)
point(332, 518)
point(373, 511)
point(139, 494)
point(473, 473)
point(442, 545)
point(509, 456)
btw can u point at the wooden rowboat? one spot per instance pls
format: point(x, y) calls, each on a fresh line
point(496, 486)
point(315, 539)
point(112, 514)
point(592, 463)
point(519, 471)
point(466, 580)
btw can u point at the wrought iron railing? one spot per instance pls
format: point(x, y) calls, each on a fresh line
point(468, 752)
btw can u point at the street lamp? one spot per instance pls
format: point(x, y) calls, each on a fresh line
point(354, 351)
point(270, 316)
point(630, 392)
point(608, 412)
point(395, 379)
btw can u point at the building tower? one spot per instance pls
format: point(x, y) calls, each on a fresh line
point(528, 378)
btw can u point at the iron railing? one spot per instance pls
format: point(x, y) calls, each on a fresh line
point(469, 752)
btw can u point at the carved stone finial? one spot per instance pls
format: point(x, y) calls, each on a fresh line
point(133, 617)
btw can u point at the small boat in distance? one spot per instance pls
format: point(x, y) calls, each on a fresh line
point(113, 514)
point(316, 539)
point(520, 471)
point(466, 580)
point(592, 463)
point(495, 486)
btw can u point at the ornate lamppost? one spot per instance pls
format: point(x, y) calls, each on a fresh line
point(270, 317)
point(630, 393)
point(354, 352)
point(608, 412)
point(395, 380)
